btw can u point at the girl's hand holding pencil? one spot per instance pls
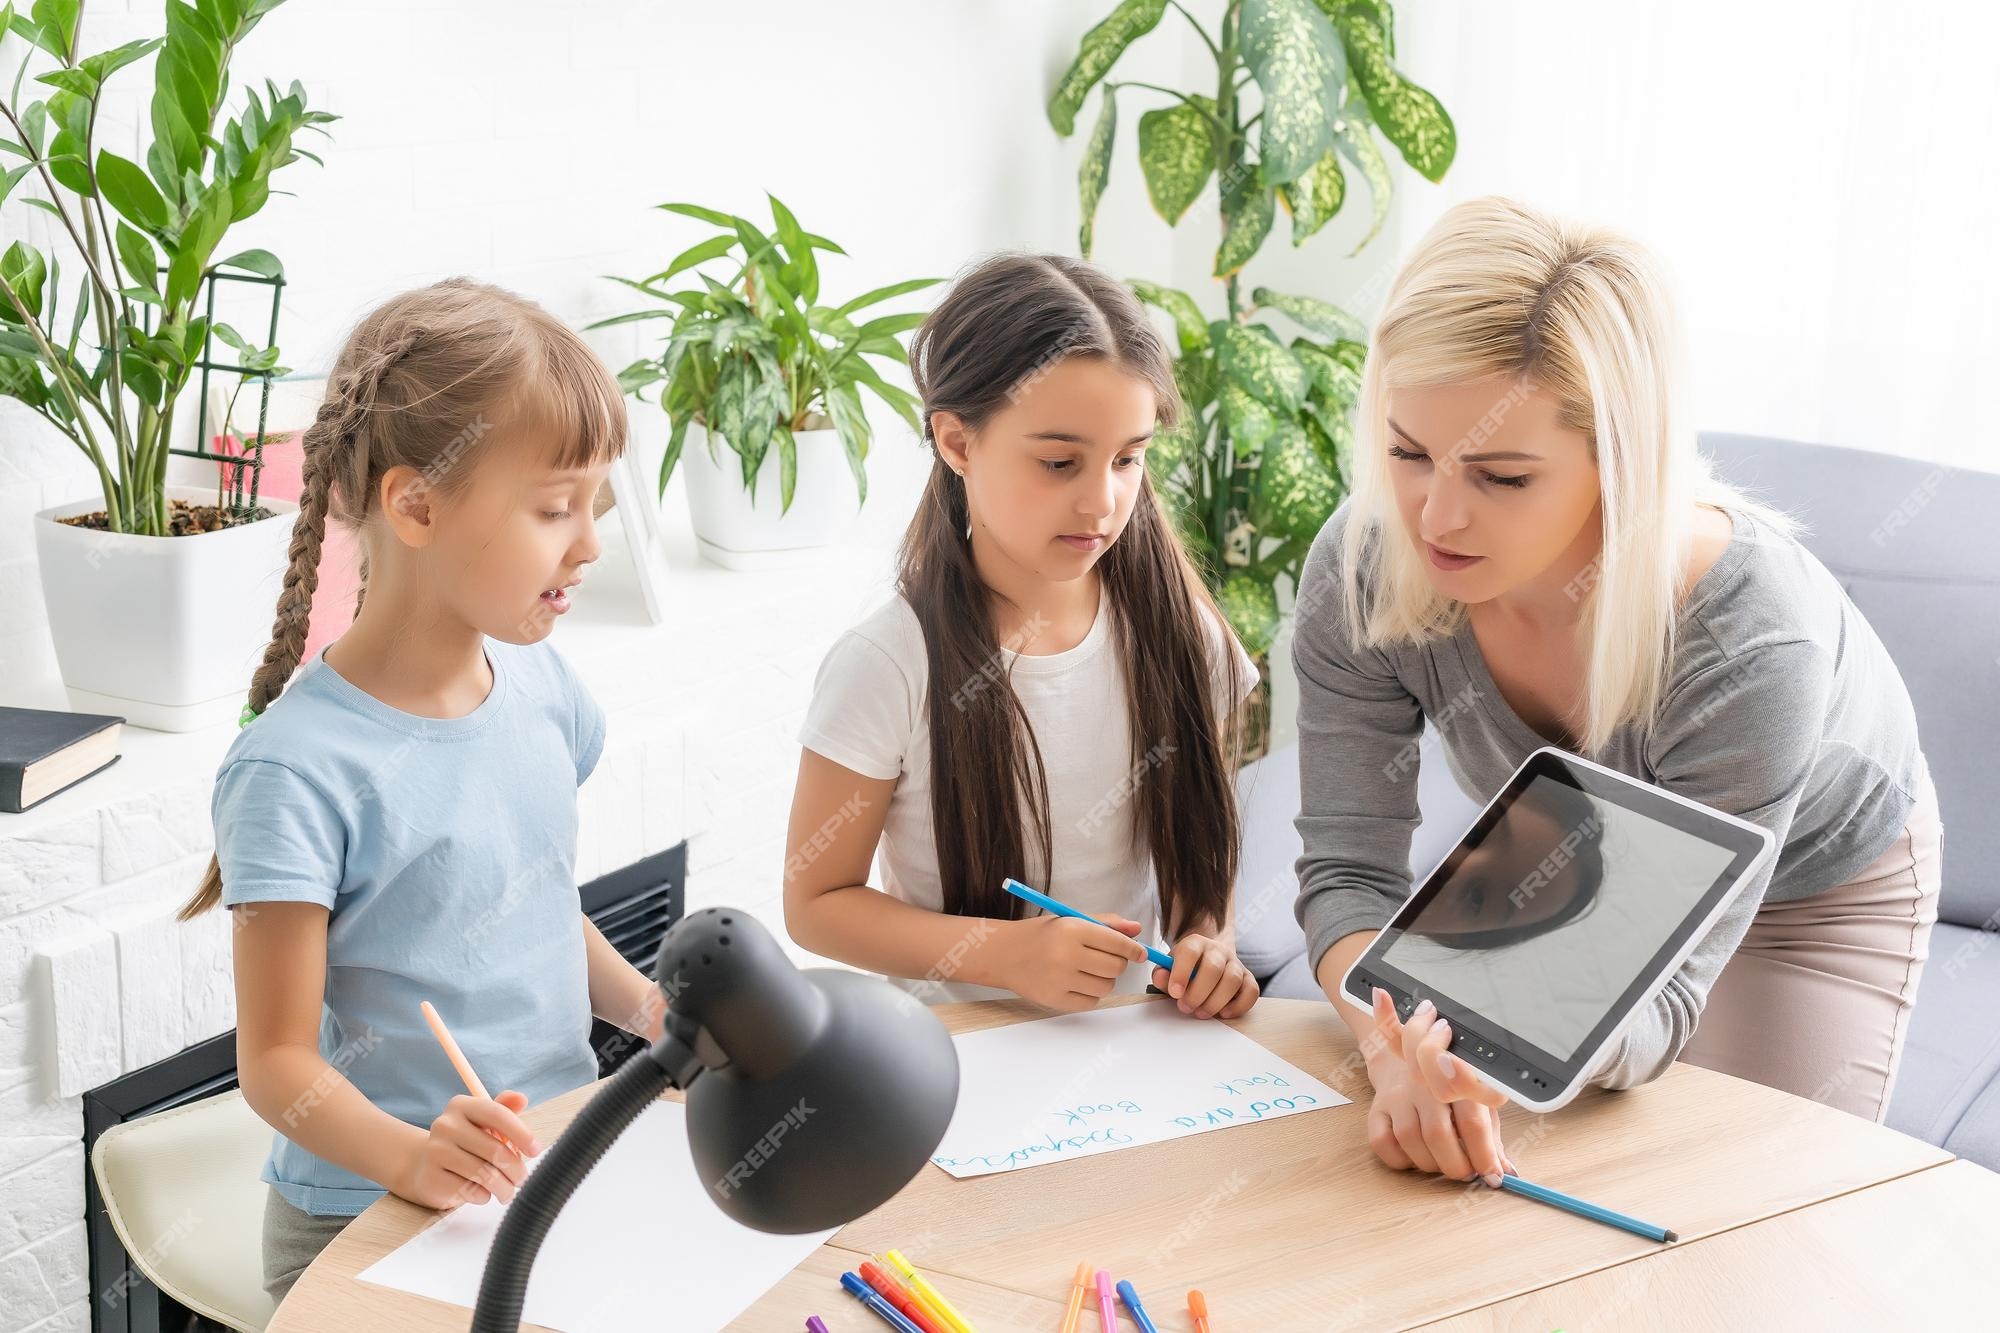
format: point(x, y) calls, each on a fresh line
point(477, 1150)
point(1064, 962)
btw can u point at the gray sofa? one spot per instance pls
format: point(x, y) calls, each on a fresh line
point(1911, 543)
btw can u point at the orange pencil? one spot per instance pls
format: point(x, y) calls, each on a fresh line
point(460, 1063)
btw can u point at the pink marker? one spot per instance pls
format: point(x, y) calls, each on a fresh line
point(1107, 1302)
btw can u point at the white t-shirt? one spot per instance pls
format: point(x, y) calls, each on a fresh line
point(870, 712)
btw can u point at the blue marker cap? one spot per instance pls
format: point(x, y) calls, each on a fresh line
point(868, 1296)
point(1130, 1296)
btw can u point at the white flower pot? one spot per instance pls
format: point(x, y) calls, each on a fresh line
point(164, 631)
point(738, 533)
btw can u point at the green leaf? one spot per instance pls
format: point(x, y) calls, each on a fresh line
point(720, 219)
point(1097, 53)
point(676, 438)
point(1260, 365)
point(203, 228)
point(141, 261)
point(1295, 56)
point(1351, 137)
point(1295, 492)
point(1315, 197)
point(1248, 206)
point(70, 80)
point(106, 63)
point(788, 466)
point(1250, 422)
point(1410, 117)
point(9, 179)
point(1177, 152)
point(883, 294)
point(712, 248)
point(126, 189)
point(1323, 319)
point(843, 404)
point(23, 270)
point(1095, 169)
point(1250, 604)
point(1335, 383)
point(1189, 325)
point(261, 262)
point(801, 269)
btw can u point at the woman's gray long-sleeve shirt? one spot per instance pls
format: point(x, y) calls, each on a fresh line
point(1781, 706)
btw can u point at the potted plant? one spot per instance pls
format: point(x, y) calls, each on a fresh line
point(159, 596)
point(769, 381)
point(1260, 462)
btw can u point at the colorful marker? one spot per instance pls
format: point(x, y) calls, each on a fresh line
point(1198, 1311)
point(932, 1299)
point(868, 1296)
point(1160, 957)
point(1130, 1295)
point(814, 1324)
point(1079, 1289)
point(1107, 1309)
point(1570, 1203)
point(899, 1296)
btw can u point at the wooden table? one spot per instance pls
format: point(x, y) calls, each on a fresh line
point(1783, 1206)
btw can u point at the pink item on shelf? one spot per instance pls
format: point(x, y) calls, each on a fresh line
point(340, 555)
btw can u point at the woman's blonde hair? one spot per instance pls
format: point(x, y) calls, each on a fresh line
point(1499, 291)
point(420, 381)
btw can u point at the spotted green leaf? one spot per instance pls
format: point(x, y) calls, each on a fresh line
point(1315, 197)
point(1250, 604)
point(1189, 325)
point(1294, 54)
point(1322, 318)
point(1097, 53)
point(1351, 137)
point(1095, 169)
point(1410, 117)
point(1248, 206)
point(1296, 493)
point(1177, 154)
point(1261, 366)
point(1334, 382)
point(1250, 423)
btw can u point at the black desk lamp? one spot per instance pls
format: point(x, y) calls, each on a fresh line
point(857, 1079)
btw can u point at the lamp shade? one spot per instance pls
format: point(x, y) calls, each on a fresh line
point(826, 1091)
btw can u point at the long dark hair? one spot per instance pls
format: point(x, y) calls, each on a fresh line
point(1005, 322)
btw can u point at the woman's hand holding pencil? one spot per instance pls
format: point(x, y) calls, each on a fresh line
point(476, 1150)
point(1064, 962)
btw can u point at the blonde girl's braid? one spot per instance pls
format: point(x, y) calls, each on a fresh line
point(411, 383)
point(333, 435)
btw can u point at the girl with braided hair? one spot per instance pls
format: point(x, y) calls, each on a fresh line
point(398, 824)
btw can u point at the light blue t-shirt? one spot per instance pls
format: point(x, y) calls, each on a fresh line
point(445, 851)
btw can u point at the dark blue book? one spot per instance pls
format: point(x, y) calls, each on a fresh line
point(43, 752)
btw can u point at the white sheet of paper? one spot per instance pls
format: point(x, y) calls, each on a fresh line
point(1077, 1085)
point(639, 1245)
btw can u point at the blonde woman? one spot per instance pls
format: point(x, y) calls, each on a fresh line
point(1535, 553)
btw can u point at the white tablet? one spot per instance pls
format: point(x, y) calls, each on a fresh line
point(1556, 918)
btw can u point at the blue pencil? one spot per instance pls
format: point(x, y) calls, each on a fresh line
point(1042, 900)
point(1556, 1198)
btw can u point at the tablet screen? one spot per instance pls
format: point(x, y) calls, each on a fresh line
point(1543, 920)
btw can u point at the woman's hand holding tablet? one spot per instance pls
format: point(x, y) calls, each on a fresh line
point(1421, 1117)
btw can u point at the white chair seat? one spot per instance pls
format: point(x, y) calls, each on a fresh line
point(182, 1191)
